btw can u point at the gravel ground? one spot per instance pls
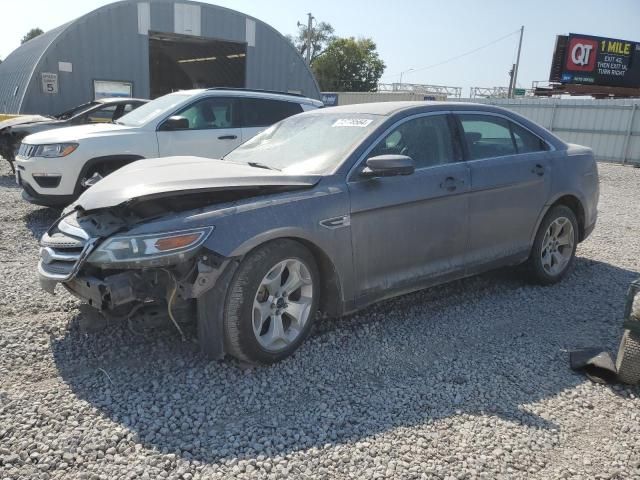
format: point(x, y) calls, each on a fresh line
point(467, 380)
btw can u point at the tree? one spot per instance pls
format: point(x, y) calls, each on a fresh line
point(321, 36)
point(349, 65)
point(33, 33)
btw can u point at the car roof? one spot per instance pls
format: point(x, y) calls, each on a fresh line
point(394, 110)
point(121, 99)
point(391, 108)
point(249, 93)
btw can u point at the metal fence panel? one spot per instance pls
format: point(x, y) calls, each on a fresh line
point(610, 127)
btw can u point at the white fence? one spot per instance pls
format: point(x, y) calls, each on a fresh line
point(610, 127)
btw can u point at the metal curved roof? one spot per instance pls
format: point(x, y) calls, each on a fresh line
point(92, 40)
point(16, 70)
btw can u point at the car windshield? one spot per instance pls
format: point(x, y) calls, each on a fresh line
point(76, 110)
point(151, 110)
point(312, 143)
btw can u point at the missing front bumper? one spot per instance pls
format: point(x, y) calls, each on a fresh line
point(110, 293)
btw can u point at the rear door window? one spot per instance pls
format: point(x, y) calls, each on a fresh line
point(487, 136)
point(262, 112)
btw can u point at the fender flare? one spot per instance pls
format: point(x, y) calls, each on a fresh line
point(332, 299)
point(552, 202)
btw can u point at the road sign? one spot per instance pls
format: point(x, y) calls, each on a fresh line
point(50, 83)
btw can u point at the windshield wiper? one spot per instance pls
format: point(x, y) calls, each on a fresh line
point(261, 165)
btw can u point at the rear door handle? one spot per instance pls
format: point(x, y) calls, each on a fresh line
point(538, 170)
point(450, 184)
point(228, 137)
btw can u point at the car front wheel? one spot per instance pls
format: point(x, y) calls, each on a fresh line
point(554, 248)
point(271, 303)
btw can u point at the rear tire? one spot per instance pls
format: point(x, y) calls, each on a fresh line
point(554, 248)
point(260, 321)
point(628, 360)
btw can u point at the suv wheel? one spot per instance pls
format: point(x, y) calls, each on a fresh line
point(554, 248)
point(271, 302)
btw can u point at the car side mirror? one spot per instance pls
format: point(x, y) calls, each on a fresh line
point(389, 166)
point(175, 123)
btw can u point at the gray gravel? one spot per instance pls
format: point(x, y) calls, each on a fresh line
point(467, 380)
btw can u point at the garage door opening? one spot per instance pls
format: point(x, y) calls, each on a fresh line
point(181, 62)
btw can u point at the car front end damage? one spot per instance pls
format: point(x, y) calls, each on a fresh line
point(122, 275)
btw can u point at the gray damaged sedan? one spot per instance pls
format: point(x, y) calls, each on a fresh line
point(326, 211)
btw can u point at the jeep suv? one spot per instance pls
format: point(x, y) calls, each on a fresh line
point(55, 167)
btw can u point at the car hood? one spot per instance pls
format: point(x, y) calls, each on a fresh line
point(24, 120)
point(74, 134)
point(174, 176)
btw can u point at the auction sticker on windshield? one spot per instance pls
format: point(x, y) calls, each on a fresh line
point(352, 122)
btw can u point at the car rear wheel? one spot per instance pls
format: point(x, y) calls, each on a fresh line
point(554, 248)
point(272, 302)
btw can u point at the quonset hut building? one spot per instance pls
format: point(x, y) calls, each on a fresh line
point(146, 49)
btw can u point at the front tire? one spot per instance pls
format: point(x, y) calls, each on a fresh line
point(271, 302)
point(554, 248)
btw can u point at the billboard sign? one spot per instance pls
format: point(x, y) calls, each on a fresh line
point(330, 99)
point(589, 60)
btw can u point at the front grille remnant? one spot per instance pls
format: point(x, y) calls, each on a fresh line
point(62, 249)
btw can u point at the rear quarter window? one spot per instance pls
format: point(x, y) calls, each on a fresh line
point(527, 142)
point(261, 112)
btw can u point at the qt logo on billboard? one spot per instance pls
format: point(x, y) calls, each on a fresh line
point(581, 54)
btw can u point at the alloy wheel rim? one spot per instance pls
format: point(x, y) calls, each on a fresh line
point(557, 246)
point(282, 305)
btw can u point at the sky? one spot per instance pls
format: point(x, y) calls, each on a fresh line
point(410, 34)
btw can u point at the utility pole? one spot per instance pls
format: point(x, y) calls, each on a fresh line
point(309, 37)
point(511, 87)
point(515, 71)
point(309, 33)
point(402, 73)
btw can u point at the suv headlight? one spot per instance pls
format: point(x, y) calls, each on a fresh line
point(54, 150)
point(152, 250)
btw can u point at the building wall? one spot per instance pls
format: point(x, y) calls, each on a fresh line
point(102, 45)
point(106, 44)
point(16, 70)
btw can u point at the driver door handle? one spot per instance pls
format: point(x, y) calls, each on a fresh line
point(227, 137)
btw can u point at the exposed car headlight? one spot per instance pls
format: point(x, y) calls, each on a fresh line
point(152, 250)
point(55, 150)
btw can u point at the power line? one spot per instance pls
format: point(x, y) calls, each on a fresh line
point(460, 56)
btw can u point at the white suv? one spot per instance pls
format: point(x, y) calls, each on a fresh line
point(54, 167)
